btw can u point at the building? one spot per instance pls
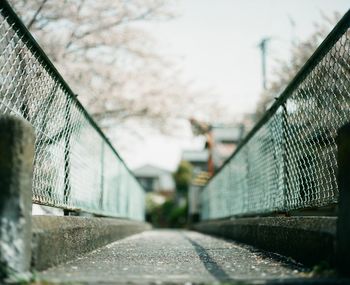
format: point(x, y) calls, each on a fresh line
point(221, 142)
point(225, 141)
point(155, 179)
point(198, 159)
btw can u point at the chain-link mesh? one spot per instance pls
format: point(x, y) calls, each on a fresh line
point(288, 161)
point(75, 166)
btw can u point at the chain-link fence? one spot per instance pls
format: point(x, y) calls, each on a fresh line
point(288, 161)
point(75, 165)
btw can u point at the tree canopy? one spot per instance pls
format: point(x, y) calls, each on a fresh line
point(183, 177)
point(285, 70)
point(110, 59)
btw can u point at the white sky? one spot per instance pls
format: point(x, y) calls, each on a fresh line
point(215, 44)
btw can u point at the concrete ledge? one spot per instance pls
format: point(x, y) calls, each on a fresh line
point(60, 239)
point(306, 239)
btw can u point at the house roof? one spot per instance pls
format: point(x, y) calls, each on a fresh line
point(149, 170)
point(227, 133)
point(195, 155)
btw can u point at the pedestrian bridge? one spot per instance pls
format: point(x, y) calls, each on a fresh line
point(280, 203)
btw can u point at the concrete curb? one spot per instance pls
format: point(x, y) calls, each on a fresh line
point(60, 239)
point(306, 239)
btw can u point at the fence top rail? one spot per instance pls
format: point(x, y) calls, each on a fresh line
point(12, 18)
point(339, 29)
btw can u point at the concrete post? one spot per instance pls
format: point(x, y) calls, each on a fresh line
point(16, 169)
point(343, 226)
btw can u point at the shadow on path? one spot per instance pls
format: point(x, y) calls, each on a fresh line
point(211, 266)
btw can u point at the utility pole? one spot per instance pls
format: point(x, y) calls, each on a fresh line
point(293, 34)
point(263, 47)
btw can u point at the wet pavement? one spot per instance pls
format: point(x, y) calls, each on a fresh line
point(177, 257)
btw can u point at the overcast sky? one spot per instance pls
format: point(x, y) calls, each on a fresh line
point(215, 44)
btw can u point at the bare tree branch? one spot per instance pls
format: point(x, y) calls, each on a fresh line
point(32, 21)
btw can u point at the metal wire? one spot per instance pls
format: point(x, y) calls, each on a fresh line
point(75, 166)
point(288, 161)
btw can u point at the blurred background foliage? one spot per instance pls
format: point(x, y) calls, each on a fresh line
point(172, 211)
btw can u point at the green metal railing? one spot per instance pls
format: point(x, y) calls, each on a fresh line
point(288, 161)
point(75, 167)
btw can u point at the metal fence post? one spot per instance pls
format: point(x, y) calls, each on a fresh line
point(16, 170)
point(284, 167)
point(67, 170)
point(343, 226)
point(102, 160)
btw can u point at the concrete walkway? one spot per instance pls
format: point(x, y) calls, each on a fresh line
point(177, 257)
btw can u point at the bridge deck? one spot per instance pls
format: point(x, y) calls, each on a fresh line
point(160, 256)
